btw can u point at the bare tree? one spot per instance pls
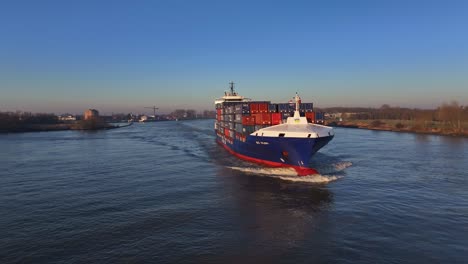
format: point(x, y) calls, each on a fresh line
point(451, 115)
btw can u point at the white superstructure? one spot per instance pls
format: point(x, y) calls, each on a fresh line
point(295, 127)
point(231, 96)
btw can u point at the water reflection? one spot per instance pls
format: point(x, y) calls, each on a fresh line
point(422, 138)
point(454, 142)
point(274, 215)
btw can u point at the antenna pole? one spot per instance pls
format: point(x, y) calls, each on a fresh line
point(232, 87)
point(298, 101)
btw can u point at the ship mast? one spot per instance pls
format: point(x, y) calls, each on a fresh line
point(298, 103)
point(231, 85)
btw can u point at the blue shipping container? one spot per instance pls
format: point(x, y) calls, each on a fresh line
point(273, 108)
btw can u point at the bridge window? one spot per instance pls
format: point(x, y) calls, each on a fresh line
point(281, 134)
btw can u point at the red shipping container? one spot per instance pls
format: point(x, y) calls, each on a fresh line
point(226, 132)
point(310, 117)
point(248, 120)
point(263, 108)
point(253, 108)
point(276, 118)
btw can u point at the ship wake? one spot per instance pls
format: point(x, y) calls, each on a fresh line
point(290, 174)
point(334, 167)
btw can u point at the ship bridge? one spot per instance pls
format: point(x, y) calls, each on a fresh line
point(231, 96)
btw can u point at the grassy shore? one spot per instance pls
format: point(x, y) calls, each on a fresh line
point(409, 126)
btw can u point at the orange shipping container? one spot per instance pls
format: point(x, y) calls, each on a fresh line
point(258, 118)
point(266, 118)
point(262, 118)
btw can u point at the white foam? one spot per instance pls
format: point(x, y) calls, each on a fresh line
point(318, 178)
point(266, 171)
point(286, 174)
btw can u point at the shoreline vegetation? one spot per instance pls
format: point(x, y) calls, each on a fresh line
point(28, 122)
point(19, 122)
point(386, 125)
point(447, 120)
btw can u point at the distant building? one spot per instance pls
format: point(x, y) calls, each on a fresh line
point(67, 117)
point(90, 114)
point(143, 118)
point(333, 115)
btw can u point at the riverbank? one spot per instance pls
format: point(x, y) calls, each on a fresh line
point(405, 126)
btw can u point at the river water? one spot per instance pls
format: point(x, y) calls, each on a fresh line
point(167, 193)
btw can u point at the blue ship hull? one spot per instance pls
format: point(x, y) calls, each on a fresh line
point(275, 151)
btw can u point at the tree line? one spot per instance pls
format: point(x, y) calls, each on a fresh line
point(12, 120)
point(449, 116)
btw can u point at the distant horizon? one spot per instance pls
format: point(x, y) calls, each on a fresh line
point(59, 57)
point(168, 112)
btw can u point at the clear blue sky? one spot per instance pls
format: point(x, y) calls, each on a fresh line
point(120, 56)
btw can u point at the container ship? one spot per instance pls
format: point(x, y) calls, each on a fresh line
point(275, 135)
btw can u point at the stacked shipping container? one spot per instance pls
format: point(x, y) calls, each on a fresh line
point(239, 119)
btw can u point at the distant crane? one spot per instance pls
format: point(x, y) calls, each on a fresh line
point(154, 109)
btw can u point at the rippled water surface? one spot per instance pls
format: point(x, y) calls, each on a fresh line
point(167, 193)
